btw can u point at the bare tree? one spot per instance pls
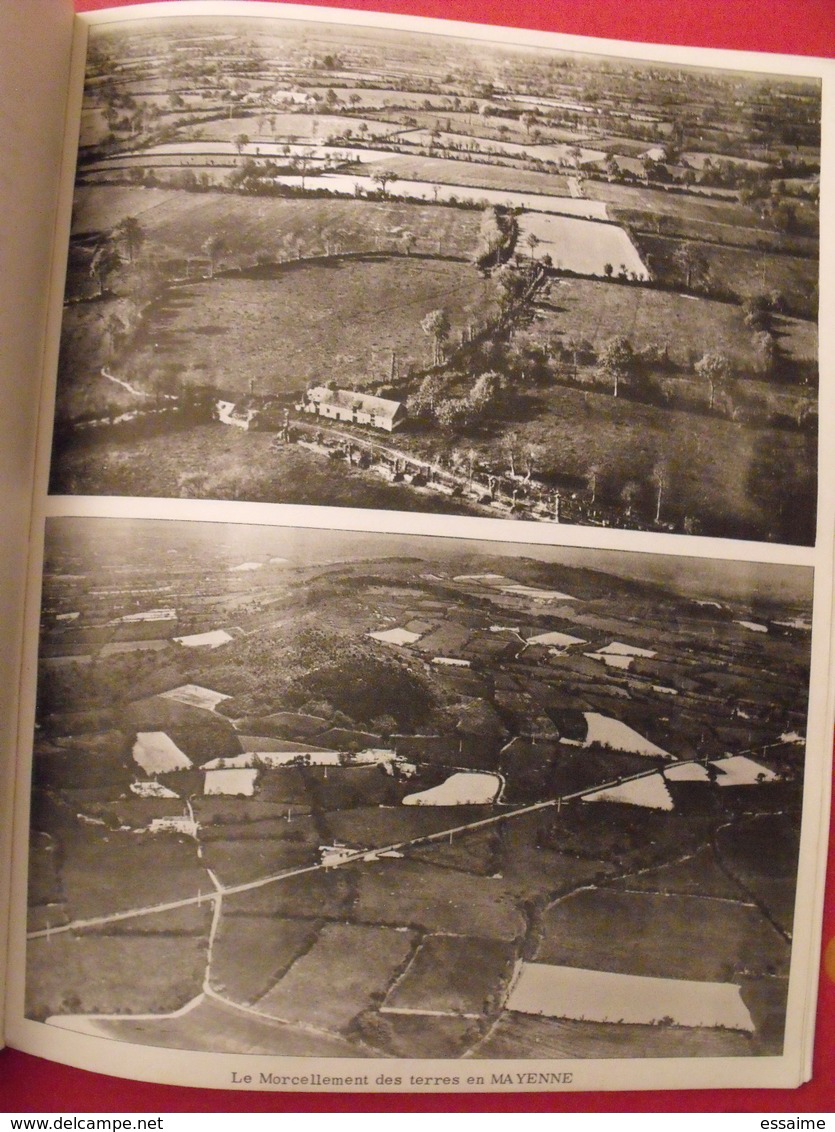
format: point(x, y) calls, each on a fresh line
point(593, 478)
point(303, 163)
point(105, 261)
point(616, 361)
point(660, 477)
point(214, 247)
point(112, 337)
point(133, 234)
point(630, 492)
point(531, 455)
point(384, 178)
point(533, 241)
point(510, 448)
point(692, 263)
point(437, 326)
point(714, 367)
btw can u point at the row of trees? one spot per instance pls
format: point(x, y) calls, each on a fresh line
point(620, 365)
point(447, 399)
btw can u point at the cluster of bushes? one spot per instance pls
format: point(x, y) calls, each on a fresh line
point(435, 402)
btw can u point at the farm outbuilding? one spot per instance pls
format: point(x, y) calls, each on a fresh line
point(354, 408)
point(177, 823)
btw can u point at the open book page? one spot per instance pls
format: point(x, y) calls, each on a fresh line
point(34, 71)
point(433, 687)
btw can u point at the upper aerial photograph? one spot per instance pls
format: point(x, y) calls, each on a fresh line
point(318, 263)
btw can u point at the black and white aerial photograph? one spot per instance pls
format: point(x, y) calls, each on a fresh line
point(319, 263)
point(343, 794)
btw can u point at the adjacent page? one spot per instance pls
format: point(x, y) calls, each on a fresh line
point(433, 679)
point(34, 73)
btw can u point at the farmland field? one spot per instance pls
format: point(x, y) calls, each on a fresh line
point(743, 271)
point(446, 192)
point(327, 894)
point(318, 265)
point(271, 946)
point(531, 871)
point(539, 1038)
point(729, 939)
point(678, 206)
point(535, 152)
point(452, 975)
point(137, 877)
point(102, 969)
point(472, 174)
point(278, 330)
point(298, 996)
point(215, 1026)
point(474, 852)
point(640, 435)
point(699, 218)
point(698, 874)
point(763, 873)
point(436, 899)
point(237, 862)
point(432, 930)
point(378, 826)
point(180, 222)
point(604, 996)
point(284, 127)
point(225, 463)
point(596, 311)
point(416, 1035)
point(581, 245)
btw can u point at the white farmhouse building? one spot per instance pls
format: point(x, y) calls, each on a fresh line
point(354, 408)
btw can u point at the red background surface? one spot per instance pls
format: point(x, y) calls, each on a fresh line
point(29, 1084)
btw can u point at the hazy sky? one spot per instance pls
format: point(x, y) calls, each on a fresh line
point(109, 543)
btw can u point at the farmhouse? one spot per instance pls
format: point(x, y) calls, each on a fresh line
point(178, 823)
point(259, 759)
point(227, 412)
point(335, 854)
point(147, 615)
point(354, 408)
point(151, 789)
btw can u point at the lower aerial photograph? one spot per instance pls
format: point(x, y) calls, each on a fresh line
point(342, 794)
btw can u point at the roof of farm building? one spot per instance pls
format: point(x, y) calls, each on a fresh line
point(349, 399)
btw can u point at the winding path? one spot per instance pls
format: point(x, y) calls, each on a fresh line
point(124, 384)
